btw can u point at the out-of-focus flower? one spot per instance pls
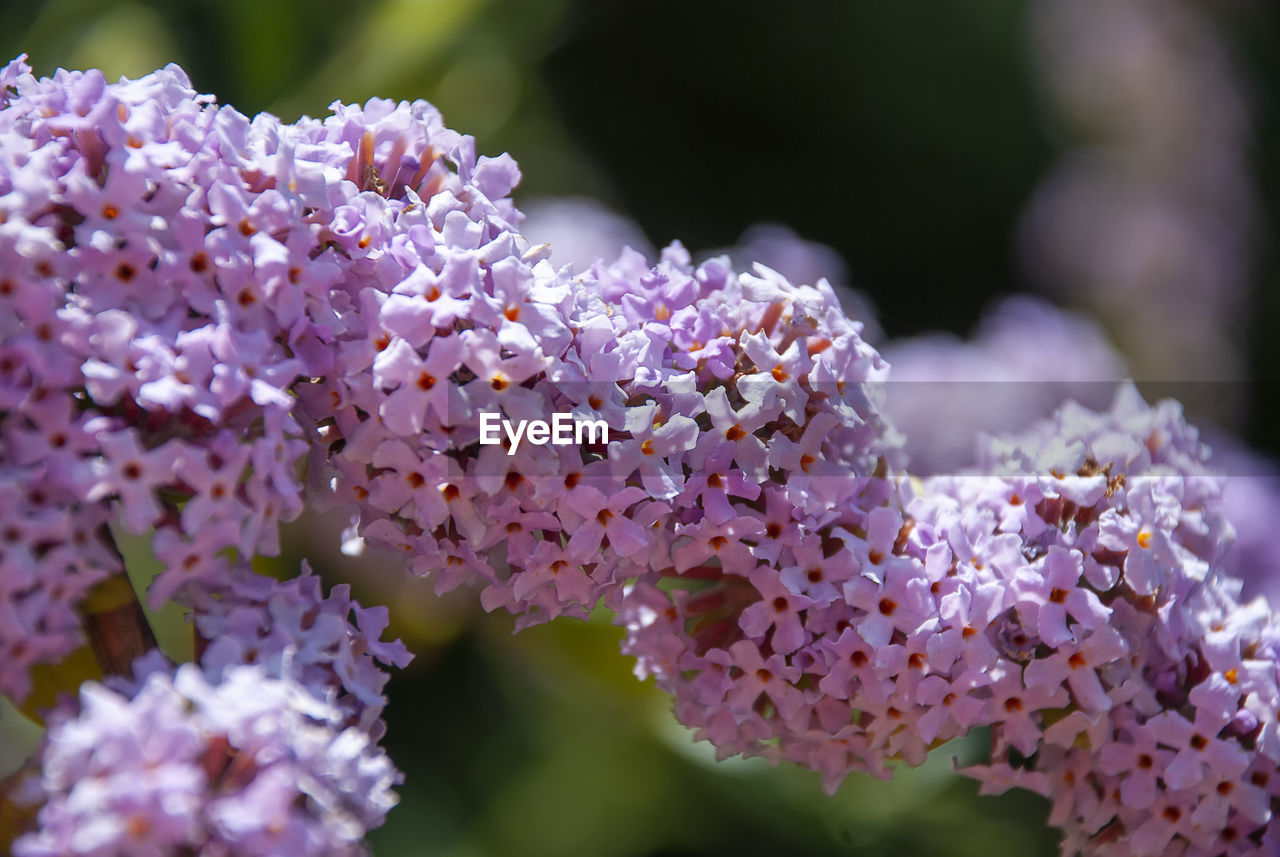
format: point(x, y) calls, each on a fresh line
point(294, 632)
point(1025, 358)
point(1148, 220)
point(1251, 502)
point(249, 765)
point(582, 231)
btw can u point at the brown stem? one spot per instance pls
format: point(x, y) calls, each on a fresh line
point(114, 621)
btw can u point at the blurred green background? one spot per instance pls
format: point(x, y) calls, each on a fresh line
point(908, 136)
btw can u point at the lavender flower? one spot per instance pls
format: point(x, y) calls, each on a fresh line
point(1179, 688)
point(1025, 358)
point(1251, 498)
point(690, 368)
point(294, 633)
point(1072, 601)
point(1148, 218)
point(175, 281)
point(250, 765)
point(200, 306)
point(219, 294)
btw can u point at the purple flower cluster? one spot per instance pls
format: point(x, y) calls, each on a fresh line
point(727, 399)
point(1173, 747)
point(294, 632)
point(170, 273)
point(50, 554)
point(1070, 600)
point(207, 320)
point(250, 765)
point(172, 270)
point(207, 296)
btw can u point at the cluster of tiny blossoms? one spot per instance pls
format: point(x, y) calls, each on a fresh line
point(292, 629)
point(169, 271)
point(210, 320)
point(730, 402)
point(1065, 595)
point(201, 298)
point(249, 766)
point(1151, 693)
point(160, 295)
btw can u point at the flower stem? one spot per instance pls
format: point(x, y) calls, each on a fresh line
point(114, 621)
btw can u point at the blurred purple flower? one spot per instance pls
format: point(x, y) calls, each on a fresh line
point(249, 765)
point(1025, 358)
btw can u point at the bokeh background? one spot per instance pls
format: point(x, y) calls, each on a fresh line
point(1121, 157)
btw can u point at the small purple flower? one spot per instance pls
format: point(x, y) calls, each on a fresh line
point(1077, 668)
point(1047, 596)
point(418, 384)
